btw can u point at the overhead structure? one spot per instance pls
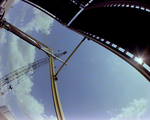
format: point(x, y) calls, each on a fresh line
point(27, 38)
point(121, 26)
point(57, 104)
point(48, 51)
point(15, 77)
point(61, 10)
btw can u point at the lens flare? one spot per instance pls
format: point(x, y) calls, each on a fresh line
point(139, 60)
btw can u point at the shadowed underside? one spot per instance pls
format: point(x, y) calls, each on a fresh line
point(121, 23)
point(126, 27)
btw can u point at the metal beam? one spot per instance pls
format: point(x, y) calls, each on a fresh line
point(140, 67)
point(50, 54)
point(48, 51)
point(57, 104)
point(70, 56)
point(27, 38)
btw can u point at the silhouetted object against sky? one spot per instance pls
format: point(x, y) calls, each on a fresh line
point(120, 26)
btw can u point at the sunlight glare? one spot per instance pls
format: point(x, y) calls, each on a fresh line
point(139, 60)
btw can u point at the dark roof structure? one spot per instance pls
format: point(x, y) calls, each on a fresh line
point(64, 10)
point(121, 26)
point(119, 23)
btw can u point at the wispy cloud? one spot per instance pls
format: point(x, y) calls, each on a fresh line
point(24, 11)
point(30, 107)
point(15, 2)
point(50, 118)
point(40, 22)
point(19, 56)
point(134, 111)
point(2, 36)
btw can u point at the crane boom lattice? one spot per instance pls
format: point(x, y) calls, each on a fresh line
point(26, 70)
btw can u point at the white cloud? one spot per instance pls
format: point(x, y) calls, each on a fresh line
point(40, 22)
point(2, 36)
point(134, 111)
point(24, 11)
point(0, 75)
point(3, 101)
point(43, 21)
point(30, 107)
point(2, 98)
point(110, 113)
point(19, 56)
point(16, 1)
point(50, 118)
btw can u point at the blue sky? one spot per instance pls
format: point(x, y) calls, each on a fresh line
point(96, 84)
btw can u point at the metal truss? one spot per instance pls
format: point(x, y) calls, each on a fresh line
point(142, 67)
point(14, 77)
point(131, 4)
point(48, 51)
point(27, 38)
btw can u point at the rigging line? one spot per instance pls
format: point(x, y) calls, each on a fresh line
point(22, 78)
point(35, 70)
point(21, 71)
point(70, 56)
point(16, 76)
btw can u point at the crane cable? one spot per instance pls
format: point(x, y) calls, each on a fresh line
point(19, 80)
point(22, 72)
